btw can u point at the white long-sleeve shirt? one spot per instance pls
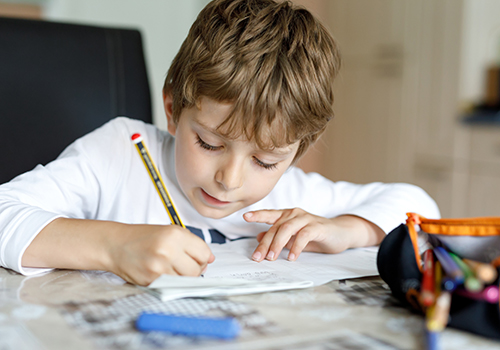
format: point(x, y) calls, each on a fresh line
point(101, 176)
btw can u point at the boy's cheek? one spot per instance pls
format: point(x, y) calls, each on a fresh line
point(261, 187)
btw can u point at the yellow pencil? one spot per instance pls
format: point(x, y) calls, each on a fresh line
point(432, 325)
point(157, 180)
point(430, 311)
point(437, 318)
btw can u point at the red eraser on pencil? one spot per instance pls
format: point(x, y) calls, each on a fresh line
point(136, 138)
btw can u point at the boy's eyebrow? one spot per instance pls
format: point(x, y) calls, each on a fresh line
point(284, 151)
point(278, 151)
point(208, 128)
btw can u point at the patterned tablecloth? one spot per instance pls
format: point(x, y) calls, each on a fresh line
point(93, 310)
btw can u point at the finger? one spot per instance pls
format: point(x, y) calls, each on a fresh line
point(260, 235)
point(212, 258)
point(263, 216)
point(131, 280)
point(186, 266)
point(273, 241)
point(290, 242)
point(302, 239)
point(283, 235)
point(155, 267)
point(262, 250)
point(145, 275)
point(205, 266)
point(199, 250)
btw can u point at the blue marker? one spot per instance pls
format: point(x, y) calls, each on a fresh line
point(225, 328)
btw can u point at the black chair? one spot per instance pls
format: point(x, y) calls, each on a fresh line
point(60, 81)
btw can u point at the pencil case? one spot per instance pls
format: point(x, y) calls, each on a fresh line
point(399, 263)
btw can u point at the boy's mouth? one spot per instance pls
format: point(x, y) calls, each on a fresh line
point(212, 200)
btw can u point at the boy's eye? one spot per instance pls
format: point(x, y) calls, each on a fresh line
point(266, 166)
point(205, 145)
point(257, 161)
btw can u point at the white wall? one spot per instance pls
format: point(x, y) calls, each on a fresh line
point(163, 23)
point(480, 46)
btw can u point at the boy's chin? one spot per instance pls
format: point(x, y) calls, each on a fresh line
point(213, 213)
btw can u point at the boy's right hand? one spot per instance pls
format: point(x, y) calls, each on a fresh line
point(137, 253)
point(141, 253)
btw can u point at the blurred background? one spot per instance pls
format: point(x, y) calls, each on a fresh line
point(417, 99)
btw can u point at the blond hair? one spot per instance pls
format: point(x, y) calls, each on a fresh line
point(273, 61)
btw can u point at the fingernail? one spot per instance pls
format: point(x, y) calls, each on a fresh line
point(256, 256)
point(248, 215)
point(270, 255)
point(291, 257)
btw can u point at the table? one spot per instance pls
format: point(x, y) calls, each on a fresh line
point(68, 309)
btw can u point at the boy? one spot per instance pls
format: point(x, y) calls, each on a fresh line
point(249, 91)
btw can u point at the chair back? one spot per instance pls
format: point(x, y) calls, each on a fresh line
point(60, 81)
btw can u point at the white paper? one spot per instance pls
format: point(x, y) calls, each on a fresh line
point(234, 272)
point(17, 337)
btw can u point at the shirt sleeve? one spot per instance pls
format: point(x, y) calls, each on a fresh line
point(66, 187)
point(383, 204)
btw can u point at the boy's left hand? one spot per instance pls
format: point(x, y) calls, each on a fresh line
point(298, 230)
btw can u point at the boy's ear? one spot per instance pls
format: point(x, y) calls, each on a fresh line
point(168, 105)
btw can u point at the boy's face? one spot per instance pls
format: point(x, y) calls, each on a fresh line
point(218, 175)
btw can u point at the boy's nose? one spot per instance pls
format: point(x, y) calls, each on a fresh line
point(230, 175)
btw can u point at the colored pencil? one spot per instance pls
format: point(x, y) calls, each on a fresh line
point(449, 284)
point(427, 296)
point(438, 278)
point(471, 282)
point(485, 272)
point(449, 266)
point(439, 319)
point(432, 335)
point(432, 338)
point(489, 294)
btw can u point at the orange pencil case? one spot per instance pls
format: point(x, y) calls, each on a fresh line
point(399, 263)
